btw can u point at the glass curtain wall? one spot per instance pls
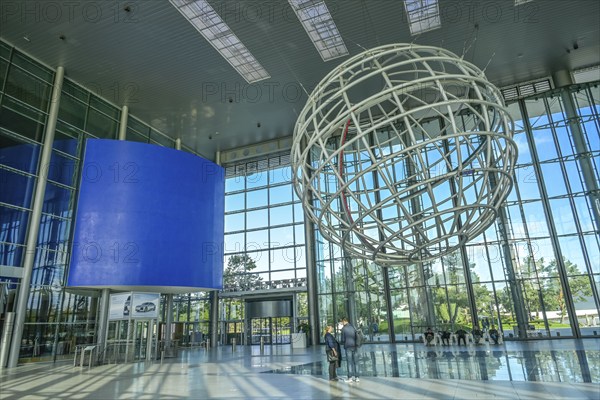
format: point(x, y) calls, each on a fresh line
point(56, 321)
point(539, 260)
point(264, 226)
point(264, 236)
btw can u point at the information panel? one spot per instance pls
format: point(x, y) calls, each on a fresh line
point(134, 305)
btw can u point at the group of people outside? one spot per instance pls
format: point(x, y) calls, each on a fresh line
point(461, 336)
point(349, 340)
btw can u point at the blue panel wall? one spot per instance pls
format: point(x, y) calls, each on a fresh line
point(147, 216)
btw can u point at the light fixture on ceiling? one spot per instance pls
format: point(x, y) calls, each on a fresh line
point(318, 23)
point(519, 2)
point(210, 25)
point(423, 15)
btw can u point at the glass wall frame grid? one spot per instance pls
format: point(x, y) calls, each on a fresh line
point(263, 239)
point(56, 321)
point(527, 243)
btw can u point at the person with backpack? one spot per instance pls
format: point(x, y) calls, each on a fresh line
point(349, 340)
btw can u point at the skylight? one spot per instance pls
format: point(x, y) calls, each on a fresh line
point(519, 2)
point(318, 23)
point(423, 15)
point(210, 25)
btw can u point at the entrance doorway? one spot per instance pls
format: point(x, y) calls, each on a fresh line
point(269, 319)
point(130, 340)
point(273, 330)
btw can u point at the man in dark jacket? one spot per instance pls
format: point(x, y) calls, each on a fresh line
point(349, 342)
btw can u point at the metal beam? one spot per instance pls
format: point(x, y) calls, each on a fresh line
point(36, 214)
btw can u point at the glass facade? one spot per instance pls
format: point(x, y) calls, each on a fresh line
point(56, 320)
point(533, 274)
point(539, 259)
point(265, 222)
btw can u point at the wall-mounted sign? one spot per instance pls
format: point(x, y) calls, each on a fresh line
point(134, 305)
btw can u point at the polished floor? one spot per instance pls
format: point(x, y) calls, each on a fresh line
point(549, 369)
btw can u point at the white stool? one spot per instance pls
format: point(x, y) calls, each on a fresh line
point(453, 338)
point(469, 339)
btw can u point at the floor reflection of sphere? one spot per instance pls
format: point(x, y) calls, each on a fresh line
point(403, 153)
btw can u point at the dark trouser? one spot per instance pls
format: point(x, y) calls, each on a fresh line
point(332, 367)
point(351, 362)
point(463, 338)
point(494, 338)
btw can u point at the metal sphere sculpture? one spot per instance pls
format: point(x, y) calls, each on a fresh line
point(403, 153)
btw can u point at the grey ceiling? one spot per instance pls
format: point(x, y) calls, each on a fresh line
point(154, 61)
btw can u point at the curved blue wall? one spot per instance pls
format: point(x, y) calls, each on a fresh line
point(147, 218)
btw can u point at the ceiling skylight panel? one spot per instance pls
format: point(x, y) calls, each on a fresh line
point(423, 15)
point(320, 27)
point(212, 27)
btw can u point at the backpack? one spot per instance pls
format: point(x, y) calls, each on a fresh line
point(360, 337)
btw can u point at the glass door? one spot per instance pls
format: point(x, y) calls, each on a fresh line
point(274, 330)
point(281, 330)
point(260, 327)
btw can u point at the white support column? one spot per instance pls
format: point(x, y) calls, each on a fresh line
point(34, 222)
point(169, 304)
point(169, 322)
point(214, 297)
point(103, 320)
point(123, 123)
point(149, 337)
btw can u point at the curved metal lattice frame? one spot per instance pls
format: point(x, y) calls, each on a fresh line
point(403, 153)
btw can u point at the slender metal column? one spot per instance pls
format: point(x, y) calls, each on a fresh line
point(388, 304)
point(34, 222)
point(105, 297)
point(425, 303)
point(103, 320)
point(311, 276)
point(149, 339)
point(9, 322)
point(123, 124)
point(384, 270)
point(515, 288)
point(169, 322)
point(564, 282)
point(214, 296)
point(167, 334)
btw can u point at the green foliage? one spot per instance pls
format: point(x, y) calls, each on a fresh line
point(304, 327)
point(237, 274)
point(540, 283)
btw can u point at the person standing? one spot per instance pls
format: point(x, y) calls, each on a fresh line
point(332, 347)
point(494, 334)
point(349, 342)
point(445, 338)
point(375, 328)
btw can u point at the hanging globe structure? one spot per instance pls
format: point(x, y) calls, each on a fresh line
point(403, 153)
